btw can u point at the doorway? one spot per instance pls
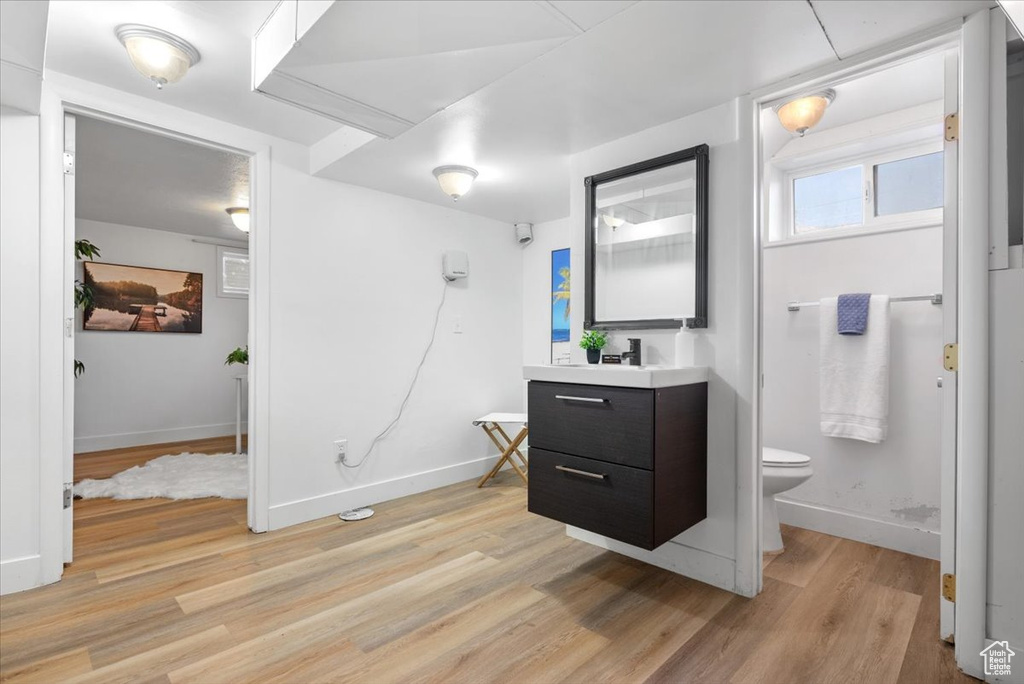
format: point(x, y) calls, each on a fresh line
point(160, 308)
point(863, 202)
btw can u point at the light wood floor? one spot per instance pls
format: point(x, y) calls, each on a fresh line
point(455, 585)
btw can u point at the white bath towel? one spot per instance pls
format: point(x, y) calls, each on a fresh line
point(854, 375)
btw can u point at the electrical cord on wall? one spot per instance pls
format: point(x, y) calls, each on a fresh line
point(401, 409)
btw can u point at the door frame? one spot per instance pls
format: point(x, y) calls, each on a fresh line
point(969, 37)
point(65, 95)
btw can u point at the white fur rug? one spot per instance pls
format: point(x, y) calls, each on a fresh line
point(181, 476)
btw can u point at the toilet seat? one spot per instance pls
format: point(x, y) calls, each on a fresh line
point(779, 458)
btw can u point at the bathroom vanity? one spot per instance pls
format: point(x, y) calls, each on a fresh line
point(620, 451)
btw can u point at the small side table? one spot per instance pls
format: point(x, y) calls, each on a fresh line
point(239, 379)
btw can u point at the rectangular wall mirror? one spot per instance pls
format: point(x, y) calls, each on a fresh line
point(647, 244)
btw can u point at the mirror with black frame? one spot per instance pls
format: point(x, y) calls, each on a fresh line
point(647, 244)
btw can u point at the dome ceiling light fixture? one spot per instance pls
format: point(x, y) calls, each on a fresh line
point(240, 217)
point(803, 113)
point(455, 181)
point(160, 56)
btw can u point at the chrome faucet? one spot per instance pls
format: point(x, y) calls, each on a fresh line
point(634, 352)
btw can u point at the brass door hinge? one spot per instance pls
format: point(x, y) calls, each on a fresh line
point(951, 357)
point(952, 127)
point(949, 587)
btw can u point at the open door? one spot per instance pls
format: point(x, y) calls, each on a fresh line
point(947, 380)
point(68, 438)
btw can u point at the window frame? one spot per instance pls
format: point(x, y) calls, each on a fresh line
point(222, 289)
point(871, 223)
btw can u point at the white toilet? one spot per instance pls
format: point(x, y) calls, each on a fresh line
point(781, 471)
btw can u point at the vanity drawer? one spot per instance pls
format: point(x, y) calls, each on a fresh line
point(613, 500)
point(613, 424)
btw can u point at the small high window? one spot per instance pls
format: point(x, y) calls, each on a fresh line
point(232, 272)
point(889, 189)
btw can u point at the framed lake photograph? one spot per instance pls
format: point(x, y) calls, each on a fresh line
point(137, 299)
point(560, 310)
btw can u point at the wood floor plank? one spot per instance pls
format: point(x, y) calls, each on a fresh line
point(159, 661)
point(841, 626)
point(928, 658)
point(52, 669)
point(457, 585)
point(263, 655)
point(806, 552)
point(738, 628)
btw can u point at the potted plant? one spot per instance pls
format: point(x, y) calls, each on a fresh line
point(593, 341)
point(239, 355)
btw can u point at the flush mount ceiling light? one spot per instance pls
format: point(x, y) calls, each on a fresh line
point(455, 181)
point(800, 115)
point(240, 217)
point(158, 55)
point(612, 221)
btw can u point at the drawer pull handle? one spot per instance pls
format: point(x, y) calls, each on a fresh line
point(593, 400)
point(584, 473)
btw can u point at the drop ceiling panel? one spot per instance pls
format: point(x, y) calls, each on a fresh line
point(415, 87)
point(587, 15)
point(653, 63)
point(412, 59)
point(855, 26)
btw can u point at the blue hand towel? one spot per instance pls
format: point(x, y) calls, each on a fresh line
point(852, 314)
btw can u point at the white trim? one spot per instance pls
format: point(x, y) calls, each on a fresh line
point(65, 93)
point(19, 574)
point(859, 527)
point(747, 565)
point(999, 209)
point(258, 505)
point(972, 336)
point(303, 510)
point(697, 564)
point(846, 233)
point(121, 440)
point(53, 290)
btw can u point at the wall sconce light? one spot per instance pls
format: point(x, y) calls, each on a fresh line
point(158, 55)
point(240, 217)
point(455, 181)
point(803, 113)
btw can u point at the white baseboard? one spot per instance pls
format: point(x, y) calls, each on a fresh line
point(858, 527)
point(678, 558)
point(19, 574)
point(303, 510)
point(131, 439)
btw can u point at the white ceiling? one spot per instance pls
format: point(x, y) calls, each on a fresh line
point(626, 67)
point(649, 64)
point(81, 42)
point(134, 178)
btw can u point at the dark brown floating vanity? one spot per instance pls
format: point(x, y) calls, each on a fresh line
point(628, 463)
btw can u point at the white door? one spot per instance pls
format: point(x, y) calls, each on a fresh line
point(947, 379)
point(68, 440)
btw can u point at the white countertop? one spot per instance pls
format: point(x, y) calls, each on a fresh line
point(611, 375)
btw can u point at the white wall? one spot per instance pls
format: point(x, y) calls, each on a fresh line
point(710, 549)
point(19, 351)
point(1005, 599)
point(188, 392)
point(885, 494)
point(357, 280)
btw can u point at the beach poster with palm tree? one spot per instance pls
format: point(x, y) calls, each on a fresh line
point(136, 299)
point(560, 307)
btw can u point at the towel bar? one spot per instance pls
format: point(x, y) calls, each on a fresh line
point(933, 298)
